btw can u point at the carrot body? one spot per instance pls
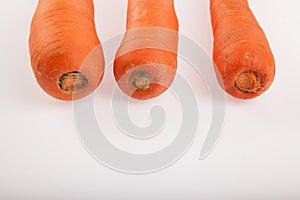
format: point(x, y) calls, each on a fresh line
point(146, 62)
point(66, 54)
point(243, 59)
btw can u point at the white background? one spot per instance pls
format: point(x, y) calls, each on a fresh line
point(258, 156)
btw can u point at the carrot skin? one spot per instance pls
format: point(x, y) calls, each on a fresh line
point(66, 54)
point(242, 56)
point(146, 62)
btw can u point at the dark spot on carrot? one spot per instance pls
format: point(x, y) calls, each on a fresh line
point(248, 82)
point(140, 80)
point(73, 82)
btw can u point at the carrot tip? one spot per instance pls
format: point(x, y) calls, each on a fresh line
point(248, 82)
point(140, 80)
point(73, 82)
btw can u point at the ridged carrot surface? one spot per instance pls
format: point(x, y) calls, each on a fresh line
point(243, 58)
point(66, 54)
point(146, 61)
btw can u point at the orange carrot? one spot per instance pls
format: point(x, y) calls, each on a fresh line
point(66, 54)
point(243, 59)
point(146, 62)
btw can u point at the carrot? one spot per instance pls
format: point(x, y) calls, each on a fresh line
point(243, 59)
point(66, 54)
point(146, 62)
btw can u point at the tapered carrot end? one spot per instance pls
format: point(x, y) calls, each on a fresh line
point(248, 82)
point(73, 82)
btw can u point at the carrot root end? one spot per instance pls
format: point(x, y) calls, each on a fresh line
point(140, 80)
point(248, 82)
point(73, 82)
